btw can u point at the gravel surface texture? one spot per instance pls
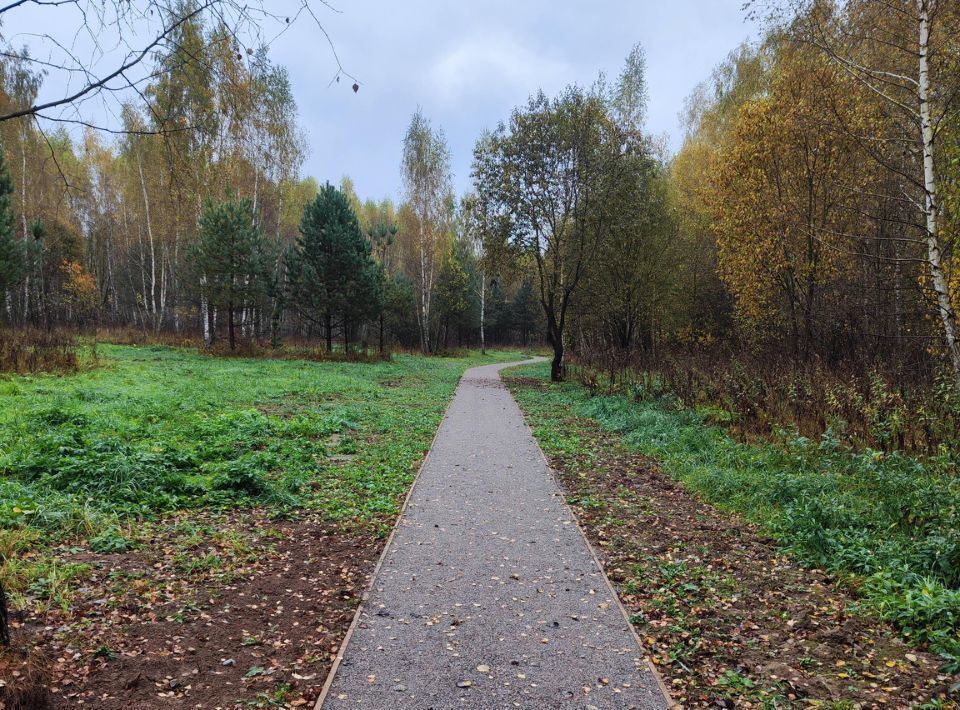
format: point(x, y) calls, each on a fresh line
point(488, 595)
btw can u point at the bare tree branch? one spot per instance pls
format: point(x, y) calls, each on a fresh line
point(124, 20)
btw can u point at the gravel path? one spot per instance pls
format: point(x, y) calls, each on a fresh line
point(488, 595)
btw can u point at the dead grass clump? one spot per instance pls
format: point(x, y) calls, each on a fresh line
point(28, 350)
point(24, 680)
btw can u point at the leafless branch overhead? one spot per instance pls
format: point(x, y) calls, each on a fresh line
point(124, 35)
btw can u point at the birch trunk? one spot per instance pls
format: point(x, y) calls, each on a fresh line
point(205, 317)
point(152, 307)
point(173, 270)
point(256, 192)
point(23, 216)
point(162, 306)
point(483, 304)
point(931, 206)
point(427, 255)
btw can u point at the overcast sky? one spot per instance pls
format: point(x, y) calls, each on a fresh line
point(467, 63)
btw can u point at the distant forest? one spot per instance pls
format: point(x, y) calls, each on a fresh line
point(811, 214)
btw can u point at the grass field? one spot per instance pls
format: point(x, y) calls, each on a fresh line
point(156, 430)
point(199, 528)
point(889, 524)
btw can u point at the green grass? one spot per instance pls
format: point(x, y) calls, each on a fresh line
point(889, 522)
point(158, 429)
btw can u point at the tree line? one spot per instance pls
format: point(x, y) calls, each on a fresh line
point(811, 213)
point(195, 219)
point(819, 180)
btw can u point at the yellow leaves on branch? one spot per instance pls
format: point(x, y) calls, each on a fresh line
point(79, 284)
point(784, 195)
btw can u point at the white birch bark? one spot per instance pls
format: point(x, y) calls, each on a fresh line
point(152, 306)
point(205, 316)
point(427, 264)
point(23, 216)
point(931, 206)
point(483, 306)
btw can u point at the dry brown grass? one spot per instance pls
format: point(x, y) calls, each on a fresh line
point(29, 350)
point(864, 404)
point(24, 679)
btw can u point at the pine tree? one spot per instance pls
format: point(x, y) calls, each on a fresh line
point(456, 305)
point(333, 276)
point(525, 313)
point(230, 258)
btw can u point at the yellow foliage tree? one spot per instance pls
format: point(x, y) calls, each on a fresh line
point(785, 196)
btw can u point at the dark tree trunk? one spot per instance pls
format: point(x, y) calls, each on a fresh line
point(328, 326)
point(555, 336)
point(381, 331)
point(4, 619)
point(556, 365)
point(275, 317)
point(233, 341)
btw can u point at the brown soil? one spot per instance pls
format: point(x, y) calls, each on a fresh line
point(219, 611)
point(24, 677)
point(727, 618)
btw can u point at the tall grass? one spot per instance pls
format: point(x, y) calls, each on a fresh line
point(862, 403)
point(29, 350)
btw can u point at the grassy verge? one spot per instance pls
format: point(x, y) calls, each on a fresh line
point(888, 523)
point(157, 430)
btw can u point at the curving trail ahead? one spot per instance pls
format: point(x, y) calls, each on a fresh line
point(488, 595)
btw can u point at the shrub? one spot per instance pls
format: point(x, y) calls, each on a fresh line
point(866, 404)
point(242, 477)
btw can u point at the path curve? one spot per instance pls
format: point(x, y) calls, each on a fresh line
point(487, 594)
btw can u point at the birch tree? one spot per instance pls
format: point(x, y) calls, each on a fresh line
point(126, 34)
point(427, 184)
point(476, 230)
point(903, 54)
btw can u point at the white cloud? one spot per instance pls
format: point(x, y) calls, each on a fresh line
point(493, 64)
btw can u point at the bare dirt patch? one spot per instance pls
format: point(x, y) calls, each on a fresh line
point(217, 611)
point(728, 620)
